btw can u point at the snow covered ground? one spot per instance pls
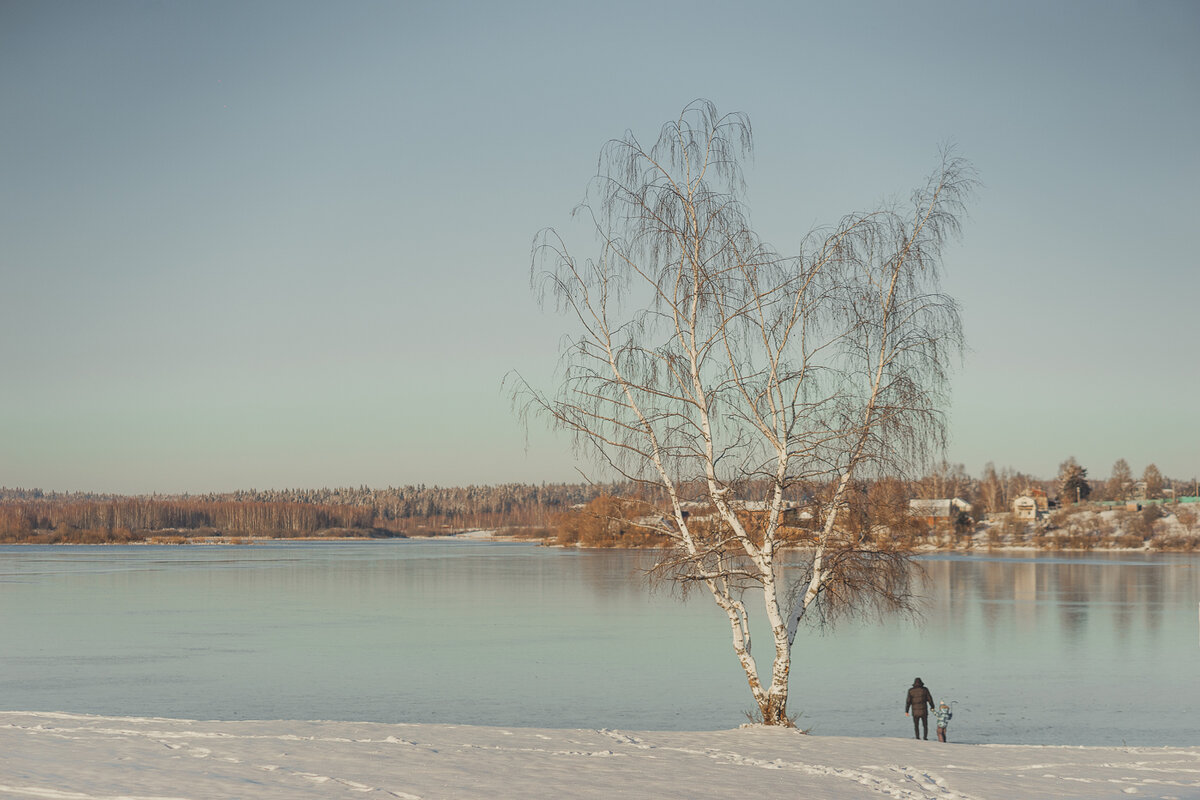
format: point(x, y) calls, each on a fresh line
point(73, 757)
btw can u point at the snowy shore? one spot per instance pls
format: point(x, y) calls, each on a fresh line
point(76, 757)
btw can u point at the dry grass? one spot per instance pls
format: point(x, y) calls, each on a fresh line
point(538, 533)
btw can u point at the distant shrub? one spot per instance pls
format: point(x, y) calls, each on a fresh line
point(1188, 543)
point(966, 538)
point(1015, 531)
point(607, 521)
point(1186, 516)
point(1076, 539)
point(69, 534)
point(995, 536)
point(1141, 523)
point(1129, 540)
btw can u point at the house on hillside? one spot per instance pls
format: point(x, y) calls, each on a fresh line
point(1025, 507)
point(943, 511)
point(1032, 505)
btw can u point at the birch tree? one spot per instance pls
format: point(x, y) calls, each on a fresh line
point(1120, 485)
point(991, 489)
point(752, 396)
point(1154, 482)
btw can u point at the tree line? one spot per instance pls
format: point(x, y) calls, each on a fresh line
point(39, 516)
point(568, 513)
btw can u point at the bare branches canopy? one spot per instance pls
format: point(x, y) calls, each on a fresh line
point(708, 368)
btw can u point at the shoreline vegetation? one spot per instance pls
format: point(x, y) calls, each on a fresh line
point(569, 515)
point(38, 517)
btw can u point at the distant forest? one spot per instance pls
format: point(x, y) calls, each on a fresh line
point(588, 514)
point(31, 515)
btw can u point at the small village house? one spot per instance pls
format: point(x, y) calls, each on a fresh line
point(1032, 505)
point(1025, 507)
point(939, 512)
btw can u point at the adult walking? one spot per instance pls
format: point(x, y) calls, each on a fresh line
point(919, 700)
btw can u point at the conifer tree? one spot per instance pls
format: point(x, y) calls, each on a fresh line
point(1072, 482)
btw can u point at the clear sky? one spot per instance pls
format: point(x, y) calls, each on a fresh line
point(286, 244)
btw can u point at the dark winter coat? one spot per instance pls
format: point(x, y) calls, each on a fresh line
point(919, 700)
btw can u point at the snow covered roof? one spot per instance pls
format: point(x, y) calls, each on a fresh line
point(941, 507)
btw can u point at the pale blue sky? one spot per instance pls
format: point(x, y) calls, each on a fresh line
point(280, 244)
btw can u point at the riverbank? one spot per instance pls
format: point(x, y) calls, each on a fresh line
point(50, 755)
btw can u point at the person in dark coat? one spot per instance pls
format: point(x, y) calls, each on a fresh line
point(919, 700)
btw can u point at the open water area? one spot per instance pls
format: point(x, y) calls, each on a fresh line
point(1088, 649)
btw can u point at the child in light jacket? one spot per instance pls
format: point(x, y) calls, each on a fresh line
point(942, 715)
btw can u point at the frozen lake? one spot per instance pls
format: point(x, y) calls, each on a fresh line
point(1088, 649)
